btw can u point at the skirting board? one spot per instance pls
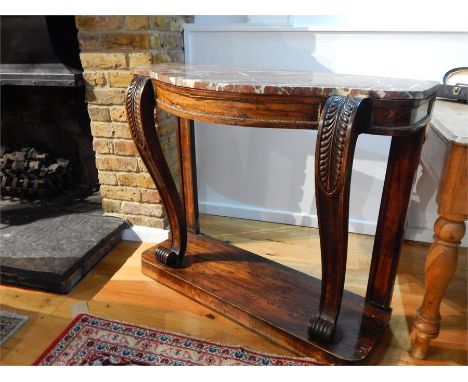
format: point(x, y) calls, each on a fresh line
point(145, 234)
point(158, 235)
point(278, 216)
point(308, 220)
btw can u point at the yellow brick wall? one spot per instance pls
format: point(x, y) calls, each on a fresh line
point(110, 47)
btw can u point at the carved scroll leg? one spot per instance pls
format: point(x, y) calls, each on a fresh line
point(441, 263)
point(140, 104)
point(342, 120)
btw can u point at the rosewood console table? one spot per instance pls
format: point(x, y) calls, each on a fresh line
point(445, 159)
point(311, 317)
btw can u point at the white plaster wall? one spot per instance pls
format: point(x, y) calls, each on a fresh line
point(269, 174)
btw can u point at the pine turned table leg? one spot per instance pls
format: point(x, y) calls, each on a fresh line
point(440, 267)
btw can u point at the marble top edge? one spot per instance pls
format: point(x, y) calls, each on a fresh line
point(286, 82)
point(450, 119)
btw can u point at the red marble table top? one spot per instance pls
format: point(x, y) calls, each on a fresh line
point(286, 82)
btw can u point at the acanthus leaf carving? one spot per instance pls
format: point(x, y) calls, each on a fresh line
point(333, 136)
point(132, 105)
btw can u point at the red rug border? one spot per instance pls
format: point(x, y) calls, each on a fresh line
point(57, 339)
point(80, 315)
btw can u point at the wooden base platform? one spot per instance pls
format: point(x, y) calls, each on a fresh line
point(275, 301)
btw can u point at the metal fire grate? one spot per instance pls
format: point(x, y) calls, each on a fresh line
point(33, 174)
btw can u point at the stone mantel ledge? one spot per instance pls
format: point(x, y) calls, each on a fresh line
point(282, 82)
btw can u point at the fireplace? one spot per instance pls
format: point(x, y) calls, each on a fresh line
point(43, 107)
point(53, 229)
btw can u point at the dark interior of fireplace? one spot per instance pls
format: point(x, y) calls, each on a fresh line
point(43, 108)
point(53, 231)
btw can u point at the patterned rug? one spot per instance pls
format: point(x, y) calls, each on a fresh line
point(9, 323)
point(94, 341)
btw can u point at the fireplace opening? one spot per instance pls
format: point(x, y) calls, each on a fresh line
point(43, 110)
point(52, 121)
point(53, 231)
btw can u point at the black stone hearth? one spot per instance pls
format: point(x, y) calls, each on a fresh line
point(53, 245)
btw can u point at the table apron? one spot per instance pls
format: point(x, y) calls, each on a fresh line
point(389, 117)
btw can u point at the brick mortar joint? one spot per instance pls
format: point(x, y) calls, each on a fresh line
point(142, 174)
point(130, 50)
point(132, 187)
point(129, 31)
point(126, 50)
point(114, 139)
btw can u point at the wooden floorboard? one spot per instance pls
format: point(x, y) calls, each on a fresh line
point(117, 289)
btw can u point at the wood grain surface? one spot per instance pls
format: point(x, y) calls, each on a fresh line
point(118, 290)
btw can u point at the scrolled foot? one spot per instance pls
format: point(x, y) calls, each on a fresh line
point(166, 256)
point(321, 329)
